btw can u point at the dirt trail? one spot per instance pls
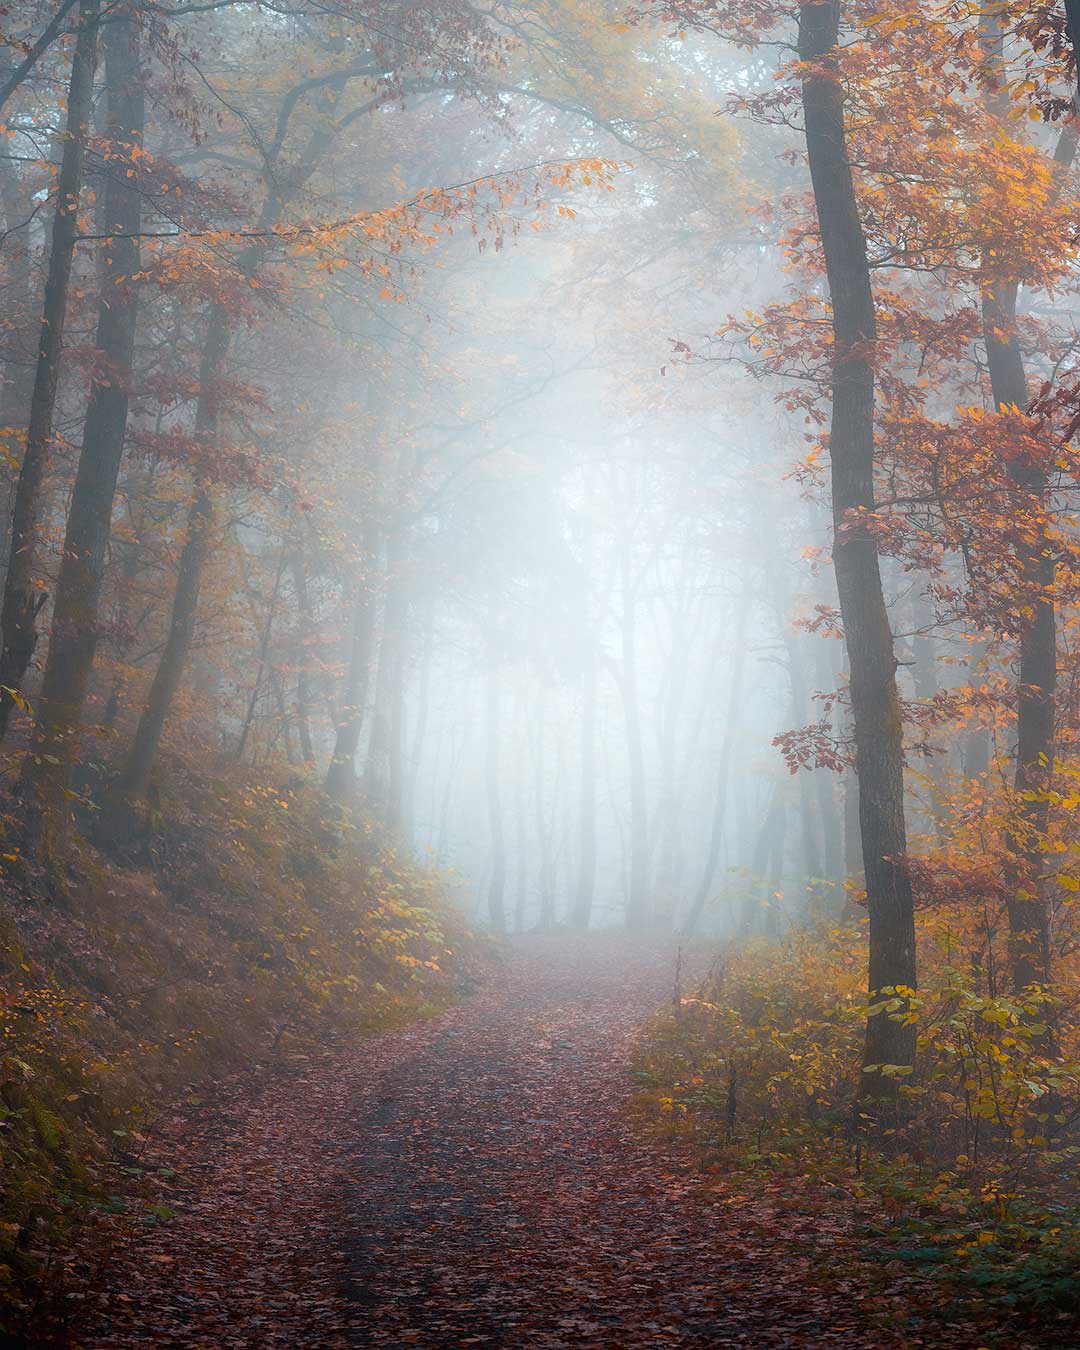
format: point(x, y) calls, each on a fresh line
point(472, 1181)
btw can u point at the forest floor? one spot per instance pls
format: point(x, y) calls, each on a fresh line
point(479, 1179)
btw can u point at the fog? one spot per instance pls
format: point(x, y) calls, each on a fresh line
point(571, 515)
point(469, 468)
point(539, 673)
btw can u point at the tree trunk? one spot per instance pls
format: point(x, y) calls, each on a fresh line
point(774, 882)
point(1029, 926)
point(586, 886)
point(22, 600)
point(420, 732)
point(135, 778)
point(442, 842)
point(682, 637)
point(771, 831)
point(874, 699)
point(829, 808)
point(307, 638)
point(925, 678)
point(76, 613)
point(800, 704)
point(263, 659)
point(1072, 17)
point(521, 831)
point(497, 881)
point(1029, 929)
point(383, 766)
point(545, 879)
point(727, 746)
point(638, 880)
point(18, 384)
point(341, 775)
point(14, 75)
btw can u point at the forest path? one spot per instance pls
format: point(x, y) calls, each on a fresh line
point(474, 1180)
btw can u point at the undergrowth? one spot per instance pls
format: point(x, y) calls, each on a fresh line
point(237, 916)
point(973, 1183)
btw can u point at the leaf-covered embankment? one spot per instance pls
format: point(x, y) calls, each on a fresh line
point(240, 920)
point(967, 1198)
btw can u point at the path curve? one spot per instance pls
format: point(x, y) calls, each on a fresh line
point(471, 1181)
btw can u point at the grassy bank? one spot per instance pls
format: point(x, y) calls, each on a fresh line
point(968, 1192)
point(235, 917)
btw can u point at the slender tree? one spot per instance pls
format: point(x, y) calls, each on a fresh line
point(23, 594)
point(890, 1038)
point(76, 612)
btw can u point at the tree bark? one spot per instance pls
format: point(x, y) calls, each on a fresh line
point(73, 639)
point(874, 698)
point(18, 383)
point(135, 778)
point(22, 600)
point(36, 50)
point(1072, 17)
point(1028, 913)
point(136, 775)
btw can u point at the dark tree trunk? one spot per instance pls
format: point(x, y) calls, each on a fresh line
point(1029, 928)
point(76, 613)
point(1072, 16)
point(874, 699)
point(140, 762)
point(22, 600)
point(18, 384)
point(136, 776)
point(1029, 933)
